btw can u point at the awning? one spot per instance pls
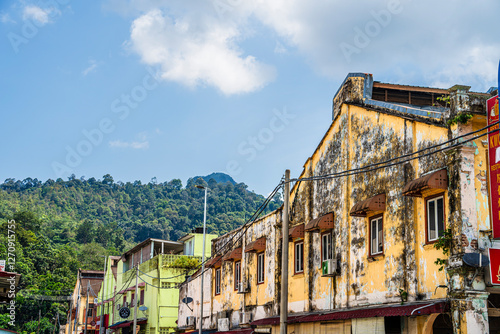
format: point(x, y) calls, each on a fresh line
point(216, 261)
point(238, 331)
point(295, 232)
point(323, 222)
point(373, 204)
point(234, 255)
point(128, 323)
point(439, 306)
point(256, 246)
point(436, 180)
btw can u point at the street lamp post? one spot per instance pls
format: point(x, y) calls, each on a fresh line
point(203, 257)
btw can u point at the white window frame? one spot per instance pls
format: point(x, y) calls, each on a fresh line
point(436, 215)
point(237, 274)
point(375, 238)
point(326, 246)
point(260, 268)
point(299, 257)
point(217, 280)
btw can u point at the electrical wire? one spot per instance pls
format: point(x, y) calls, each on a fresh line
point(355, 171)
point(363, 169)
point(385, 164)
point(249, 222)
point(246, 226)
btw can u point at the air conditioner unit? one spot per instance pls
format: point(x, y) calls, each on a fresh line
point(190, 321)
point(245, 318)
point(243, 287)
point(223, 325)
point(329, 267)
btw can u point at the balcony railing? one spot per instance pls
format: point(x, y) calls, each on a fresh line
point(168, 260)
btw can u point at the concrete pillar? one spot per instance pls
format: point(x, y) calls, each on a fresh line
point(470, 314)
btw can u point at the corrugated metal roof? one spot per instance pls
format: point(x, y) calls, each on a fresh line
point(373, 204)
point(323, 222)
point(436, 180)
point(368, 312)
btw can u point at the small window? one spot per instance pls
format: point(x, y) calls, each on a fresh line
point(260, 268)
point(376, 236)
point(299, 257)
point(124, 299)
point(90, 311)
point(435, 218)
point(237, 274)
point(217, 281)
point(141, 302)
point(132, 299)
point(326, 246)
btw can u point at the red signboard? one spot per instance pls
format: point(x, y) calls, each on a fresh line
point(494, 265)
point(494, 165)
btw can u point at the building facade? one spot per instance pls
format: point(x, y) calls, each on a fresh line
point(366, 246)
point(154, 268)
point(83, 309)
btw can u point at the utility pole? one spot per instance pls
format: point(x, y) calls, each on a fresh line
point(101, 326)
point(135, 298)
point(203, 257)
point(39, 320)
point(284, 257)
point(87, 308)
point(69, 316)
point(55, 323)
point(77, 302)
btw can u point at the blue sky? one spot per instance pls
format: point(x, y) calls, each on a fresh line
point(173, 89)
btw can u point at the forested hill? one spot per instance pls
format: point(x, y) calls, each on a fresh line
point(61, 226)
point(99, 210)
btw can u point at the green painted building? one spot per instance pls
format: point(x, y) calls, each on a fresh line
point(161, 266)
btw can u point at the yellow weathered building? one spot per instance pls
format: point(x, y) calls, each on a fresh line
point(362, 250)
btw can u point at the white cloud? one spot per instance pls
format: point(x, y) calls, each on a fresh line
point(194, 51)
point(280, 48)
point(201, 42)
point(5, 18)
point(39, 15)
point(396, 40)
point(91, 68)
point(138, 145)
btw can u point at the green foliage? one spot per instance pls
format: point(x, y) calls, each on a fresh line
point(44, 326)
point(65, 225)
point(445, 99)
point(4, 321)
point(403, 295)
point(461, 118)
point(184, 262)
point(444, 243)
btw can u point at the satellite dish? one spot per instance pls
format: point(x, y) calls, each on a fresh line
point(476, 260)
point(143, 308)
point(96, 300)
point(187, 300)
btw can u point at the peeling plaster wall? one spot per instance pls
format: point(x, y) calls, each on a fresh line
point(359, 137)
point(261, 301)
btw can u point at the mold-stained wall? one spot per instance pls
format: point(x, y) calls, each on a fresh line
point(364, 134)
point(260, 301)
